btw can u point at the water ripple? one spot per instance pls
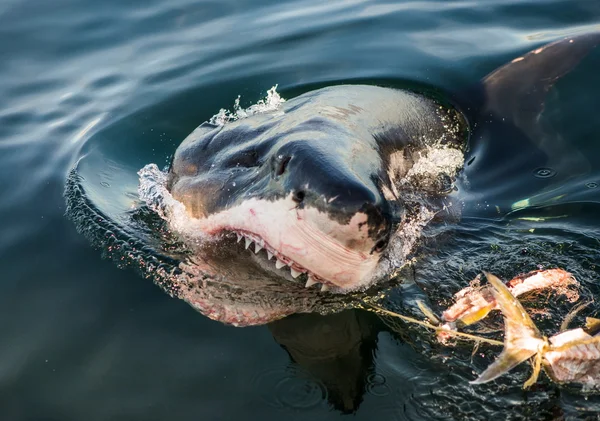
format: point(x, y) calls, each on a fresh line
point(290, 388)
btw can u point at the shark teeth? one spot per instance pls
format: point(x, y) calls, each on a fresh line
point(311, 281)
point(259, 244)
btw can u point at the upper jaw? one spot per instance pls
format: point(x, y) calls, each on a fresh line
point(281, 263)
point(305, 240)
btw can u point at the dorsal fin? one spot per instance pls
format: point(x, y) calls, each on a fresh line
point(517, 90)
point(508, 105)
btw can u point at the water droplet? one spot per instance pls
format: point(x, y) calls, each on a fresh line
point(544, 172)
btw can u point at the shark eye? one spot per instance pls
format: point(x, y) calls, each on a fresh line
point(282, 165)
point(298, 196)
point(380, 245)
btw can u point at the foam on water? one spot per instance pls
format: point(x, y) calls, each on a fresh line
point(435, 161)
point(438, 160)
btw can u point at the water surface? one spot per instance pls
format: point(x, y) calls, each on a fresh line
point(82, 339)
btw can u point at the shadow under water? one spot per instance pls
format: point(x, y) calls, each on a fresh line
point(342, 352)
point(338, 350)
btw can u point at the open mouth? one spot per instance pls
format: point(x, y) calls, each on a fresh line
point(256, 244)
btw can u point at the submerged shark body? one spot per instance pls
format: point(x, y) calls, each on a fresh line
point(334, 187)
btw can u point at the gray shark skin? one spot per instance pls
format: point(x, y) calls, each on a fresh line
point(316, 183)
point(331, 189)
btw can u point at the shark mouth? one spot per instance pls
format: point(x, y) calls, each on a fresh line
point(282, 262)
point(315, 248)
point(339, 256)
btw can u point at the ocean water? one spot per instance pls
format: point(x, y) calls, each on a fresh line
point(82, 339)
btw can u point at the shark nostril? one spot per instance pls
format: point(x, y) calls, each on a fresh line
point(298, 196)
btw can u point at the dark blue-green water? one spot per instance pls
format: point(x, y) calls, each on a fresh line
point(81, 339)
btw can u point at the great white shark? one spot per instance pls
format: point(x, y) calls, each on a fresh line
point(330, 187)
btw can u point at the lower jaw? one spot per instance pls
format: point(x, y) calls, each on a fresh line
point(234, 282)
point(285, 275)
point(230, 283)
point(236, 314)
point(253, 296)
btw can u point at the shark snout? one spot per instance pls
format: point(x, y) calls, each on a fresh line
point(342, 192)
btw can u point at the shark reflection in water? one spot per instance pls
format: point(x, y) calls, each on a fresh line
point(336, 349)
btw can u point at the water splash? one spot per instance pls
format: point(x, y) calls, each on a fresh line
point(270, 103)
point(153, 191)
point(438, 160)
